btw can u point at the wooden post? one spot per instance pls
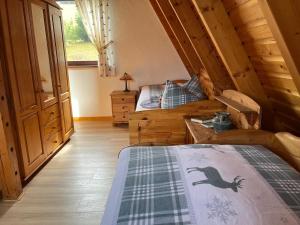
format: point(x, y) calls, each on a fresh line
point(9, 171)
point(195, 29)
point(233, 54)
point(284, 21)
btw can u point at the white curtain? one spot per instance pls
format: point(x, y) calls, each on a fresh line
point(96, 19)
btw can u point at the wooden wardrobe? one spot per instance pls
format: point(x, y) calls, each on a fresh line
point(36, 78)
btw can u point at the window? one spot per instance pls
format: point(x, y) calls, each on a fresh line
point(80, 50)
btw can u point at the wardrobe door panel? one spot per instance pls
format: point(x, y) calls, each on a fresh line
point(61, 71)
point(67, 115)
point(57, 29)
point(33, 153)
point(43, 46)
point(24, 85)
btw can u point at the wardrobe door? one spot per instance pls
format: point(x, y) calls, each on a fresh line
point(22, 71)
point(42, 39)
point(33, 153)
point(56, 25)
point(23, 75)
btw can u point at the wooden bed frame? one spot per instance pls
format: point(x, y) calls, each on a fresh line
point(283, 144)
point(167, 125)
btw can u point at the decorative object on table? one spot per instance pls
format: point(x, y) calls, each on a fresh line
point(126, 77)
point(222, 122)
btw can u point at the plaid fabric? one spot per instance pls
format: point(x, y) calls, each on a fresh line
point(154, 191)
point(283, 178)
point(193, 86)
point(175, 95)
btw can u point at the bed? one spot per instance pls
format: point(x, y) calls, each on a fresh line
point(207, 184)
point(147, 93)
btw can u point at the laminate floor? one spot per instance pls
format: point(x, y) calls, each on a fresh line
point(73, 187)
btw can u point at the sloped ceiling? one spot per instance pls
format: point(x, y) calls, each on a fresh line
point(248, 45)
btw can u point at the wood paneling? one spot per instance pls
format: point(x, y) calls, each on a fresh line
point(40, 20)
point(284, 21)
point(234, 56)
point(172, 36)
point(56, 24)
point(264, 41)
point(204, 48)
point(10, 175)
point(182, 42)
point(33, 153)
point(68, 127)
point(24, 74)
point(27, 105)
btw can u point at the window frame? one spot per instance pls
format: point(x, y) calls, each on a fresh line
point(75, 63)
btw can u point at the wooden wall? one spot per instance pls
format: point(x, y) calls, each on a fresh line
point(253, 22)
point(193, 45)
point(265, 55)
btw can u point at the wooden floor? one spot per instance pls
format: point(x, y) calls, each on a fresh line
point(72, 188)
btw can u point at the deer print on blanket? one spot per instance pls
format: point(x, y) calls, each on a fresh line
point(214, 178)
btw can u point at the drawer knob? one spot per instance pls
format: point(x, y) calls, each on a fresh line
point(52, 113)
point(55, 142)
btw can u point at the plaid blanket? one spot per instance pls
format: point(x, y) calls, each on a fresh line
point(282, 178)
point(154, 191)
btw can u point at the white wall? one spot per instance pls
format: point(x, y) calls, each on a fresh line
point(142, 49)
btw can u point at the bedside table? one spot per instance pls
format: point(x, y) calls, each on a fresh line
point(122, 103)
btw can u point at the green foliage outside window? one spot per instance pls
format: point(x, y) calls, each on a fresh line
point(78, 45)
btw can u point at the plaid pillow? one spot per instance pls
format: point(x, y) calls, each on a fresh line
point(175, 95)
point(193, 86)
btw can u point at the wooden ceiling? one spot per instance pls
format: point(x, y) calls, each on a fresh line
point(249, 45)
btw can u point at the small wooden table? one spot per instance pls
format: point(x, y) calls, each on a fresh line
point(123, 103)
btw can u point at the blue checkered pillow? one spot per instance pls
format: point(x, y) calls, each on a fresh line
point(193, 86)
point(175, 95)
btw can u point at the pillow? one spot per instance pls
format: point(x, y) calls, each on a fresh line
point(175, 95)
point(193, 86)
point(151, 103)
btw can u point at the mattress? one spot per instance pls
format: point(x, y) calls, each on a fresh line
point(150, 95)
point(203, 184)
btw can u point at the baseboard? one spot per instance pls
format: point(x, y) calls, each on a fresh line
point(98, 118)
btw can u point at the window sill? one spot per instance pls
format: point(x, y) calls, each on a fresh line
point(82, 64)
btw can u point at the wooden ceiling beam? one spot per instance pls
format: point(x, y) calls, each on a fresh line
point(232, 52)
point(181, 35)
point(201, 42)
point(284, 21)
point(172, 37)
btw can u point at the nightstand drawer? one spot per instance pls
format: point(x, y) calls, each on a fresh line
point(123, 99)
point(121, 117)
point(123, 108)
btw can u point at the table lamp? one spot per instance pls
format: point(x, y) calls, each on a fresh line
point(126, 77)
